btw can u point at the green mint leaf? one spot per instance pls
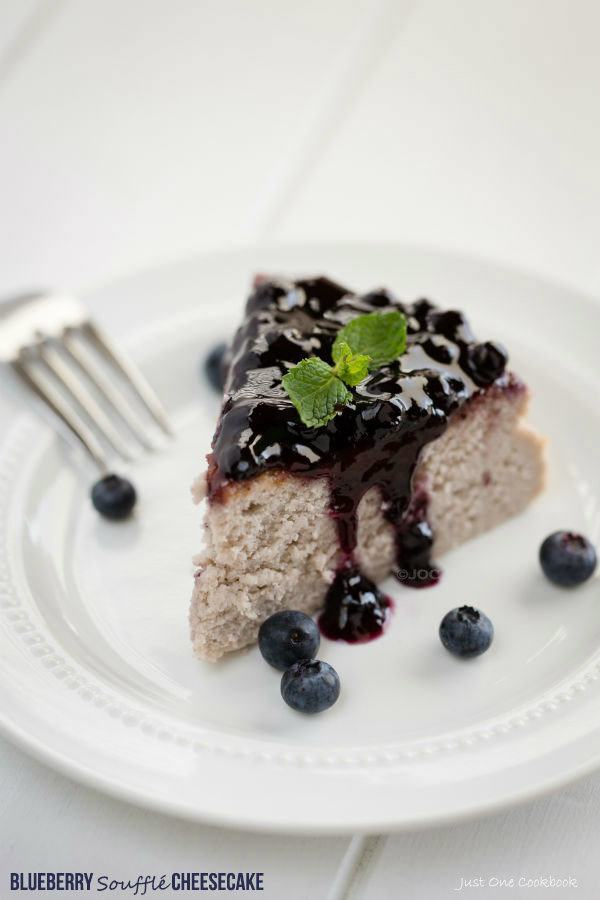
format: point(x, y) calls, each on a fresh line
point(316, 391)
point(382, 336)
point(351, 367)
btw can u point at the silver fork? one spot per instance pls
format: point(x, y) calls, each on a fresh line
point(54, 347)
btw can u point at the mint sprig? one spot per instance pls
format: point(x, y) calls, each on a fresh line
point(318, 390)
point(350, 367)
point(382, 336)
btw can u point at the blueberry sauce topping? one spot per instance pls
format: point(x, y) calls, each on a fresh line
point(355, 609)
point(487, 362)
point(374, 442)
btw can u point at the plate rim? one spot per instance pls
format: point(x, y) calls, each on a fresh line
point(80, 774)
point(98, 781)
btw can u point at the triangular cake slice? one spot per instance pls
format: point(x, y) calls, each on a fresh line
point(432, 451)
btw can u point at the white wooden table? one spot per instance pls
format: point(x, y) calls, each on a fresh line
point(138, 131)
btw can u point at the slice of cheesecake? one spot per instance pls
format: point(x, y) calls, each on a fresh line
point(432, 450)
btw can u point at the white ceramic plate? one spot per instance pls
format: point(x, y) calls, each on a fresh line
point(97, 674)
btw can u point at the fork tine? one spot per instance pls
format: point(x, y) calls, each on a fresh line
point(83, 359)
point(53, 362)
point(53, 399)
point(132, 375)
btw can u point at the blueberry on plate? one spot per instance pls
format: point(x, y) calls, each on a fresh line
point(287, 637)
point(213, 367)
point(114, 497)
point(310, 686)
point(567, 559)
point(466, 632)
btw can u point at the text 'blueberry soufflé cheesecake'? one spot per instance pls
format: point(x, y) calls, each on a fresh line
point(358, 436)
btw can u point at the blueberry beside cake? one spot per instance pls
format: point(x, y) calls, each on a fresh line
point(359, 436)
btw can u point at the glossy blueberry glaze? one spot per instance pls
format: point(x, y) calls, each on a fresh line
point(355, 609)
point(373, 442)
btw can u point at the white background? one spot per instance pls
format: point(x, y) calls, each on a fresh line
point(134, 132)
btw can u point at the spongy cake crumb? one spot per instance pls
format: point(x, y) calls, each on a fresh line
point(272, 544)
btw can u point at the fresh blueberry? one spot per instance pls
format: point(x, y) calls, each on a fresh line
point(567, 558)
point(287, 637)
point(466, 632)
point(310, 686)
point(213, 367)
point(114, 497)
point(487, 362)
